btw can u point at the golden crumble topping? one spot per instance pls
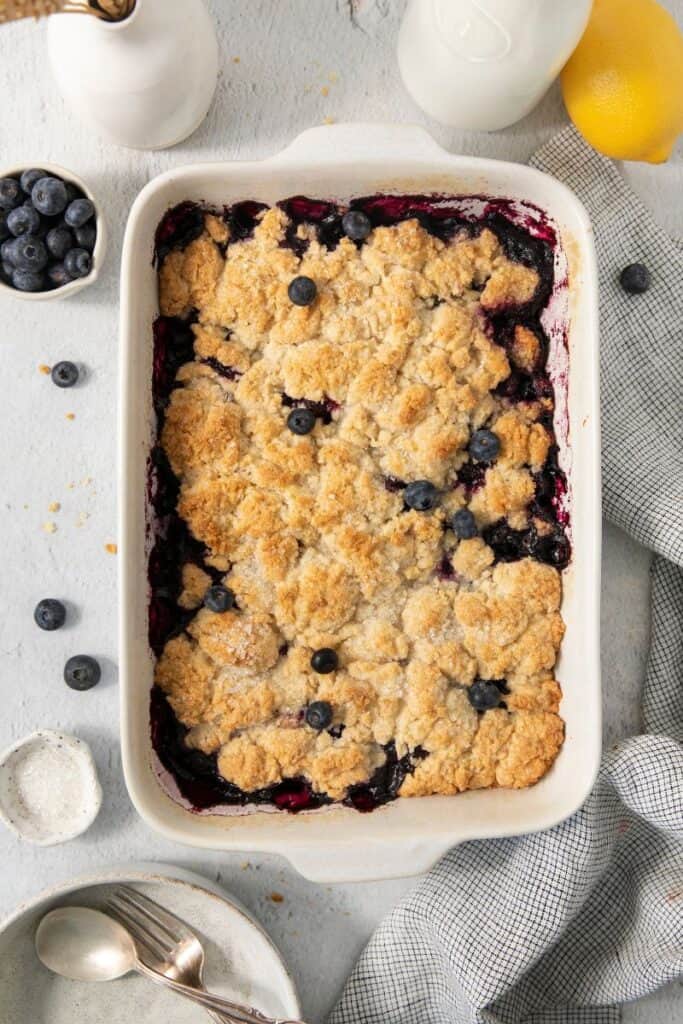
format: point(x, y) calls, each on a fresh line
point(311, 532)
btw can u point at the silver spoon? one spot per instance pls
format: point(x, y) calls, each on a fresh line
point(87, 945)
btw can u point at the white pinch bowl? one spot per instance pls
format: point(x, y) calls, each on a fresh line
point(43, 751)
point(100, 243)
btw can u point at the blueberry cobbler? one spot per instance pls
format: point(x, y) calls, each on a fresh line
point(359, 524)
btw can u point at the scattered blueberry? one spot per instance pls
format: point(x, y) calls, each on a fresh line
point(28, 253)
point(464, 525)
point(86, 236)
point(82, 672)
point(49, 196)
point(635, 278)
point(421, 495)
point(219, 599)
point(356, 225)
point(302, 291)
point(319, 715)
point(28, 280)
point(78, 262)
point(484, 445)
point(64, 374)
point(324, 660)
point(30, 177)
point(57, 275)
point(4, 230)
point(23, 220)
point(50, 614)
point(58, 242)
point(7, 271)
point(484, 694)
point(78, 212)
point(10, 194)
point(301, 421)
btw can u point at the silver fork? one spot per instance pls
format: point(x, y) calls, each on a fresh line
point(169, 946)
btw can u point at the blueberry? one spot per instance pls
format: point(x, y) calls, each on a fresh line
point(82, 672)
point(7, 251)
point(7, 270)
point(78, 212)
point(23, 220)
point(28, 253)
point(29, 178)
point(421, 495)
point(301, 421)
point(50, 614)
point(57, 275)
point(10, 194)
point(49, 196)
point(219, 598)
point(484, 445)
point(319, 715)
point(484, 694)
point(302, 291)
point(324, 660)
point(635, 278)
point(58, 242)
point(356, 225)
point(64, 374)
point(28, 280)
point(464, 525)
point(86, 236)
point(4, 230)
point(78, 263)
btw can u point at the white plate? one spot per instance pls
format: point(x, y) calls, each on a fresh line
point(242, 962)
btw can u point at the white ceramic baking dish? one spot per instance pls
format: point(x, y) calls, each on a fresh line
point(406, 836)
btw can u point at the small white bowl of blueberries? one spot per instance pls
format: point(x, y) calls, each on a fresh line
point(52, 236)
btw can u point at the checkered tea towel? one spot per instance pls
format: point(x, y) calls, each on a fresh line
point(564, 925)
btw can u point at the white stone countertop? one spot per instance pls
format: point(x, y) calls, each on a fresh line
point(286, 65)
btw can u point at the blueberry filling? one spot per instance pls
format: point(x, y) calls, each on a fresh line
point(179, 226)
point(229, 372)
point(393, 484)
point(195, 773)
point(322, 410)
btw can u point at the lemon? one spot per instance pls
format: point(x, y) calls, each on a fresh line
point(623, 85)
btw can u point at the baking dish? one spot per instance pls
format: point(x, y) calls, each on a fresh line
point(406, 836)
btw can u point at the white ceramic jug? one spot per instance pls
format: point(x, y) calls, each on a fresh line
point(484, 64)
point(146, 82)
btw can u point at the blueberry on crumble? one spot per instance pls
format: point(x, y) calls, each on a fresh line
point(219, 598)
point(464, 525)
point(324, 660)
point(302, 291)
point(421, 495)
point(301, 421)
point(319, 715)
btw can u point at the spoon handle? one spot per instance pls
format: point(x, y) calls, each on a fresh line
point(233, 1011)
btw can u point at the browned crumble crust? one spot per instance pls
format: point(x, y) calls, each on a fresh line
point(318, 552)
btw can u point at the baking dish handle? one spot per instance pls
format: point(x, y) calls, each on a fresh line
point(367, 861)
point(344, 143)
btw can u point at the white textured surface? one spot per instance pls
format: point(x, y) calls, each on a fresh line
point(300, 61)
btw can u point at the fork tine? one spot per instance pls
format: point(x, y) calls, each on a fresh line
point(175, 928)
point(146, 948)
point(139, 929)
point(147, 919)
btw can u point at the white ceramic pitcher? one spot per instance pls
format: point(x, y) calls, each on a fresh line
point(146, 82)
point(484, 64)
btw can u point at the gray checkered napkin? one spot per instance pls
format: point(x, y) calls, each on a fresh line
point(565, 925)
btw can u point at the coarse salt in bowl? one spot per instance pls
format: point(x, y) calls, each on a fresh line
point(49, 789)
